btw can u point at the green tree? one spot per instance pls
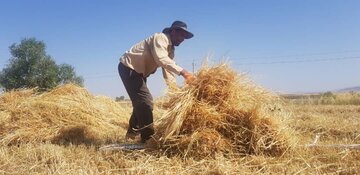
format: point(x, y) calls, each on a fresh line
point(67, 75)
point(30, 67)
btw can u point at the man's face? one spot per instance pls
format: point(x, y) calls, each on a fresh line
point(177, 36)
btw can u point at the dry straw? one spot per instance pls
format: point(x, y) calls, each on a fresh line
point(67, 114)
point(221, 112)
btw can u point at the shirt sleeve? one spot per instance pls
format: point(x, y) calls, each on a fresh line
point(161, 55)
point(169, 77)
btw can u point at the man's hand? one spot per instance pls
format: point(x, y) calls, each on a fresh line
point(188, 76)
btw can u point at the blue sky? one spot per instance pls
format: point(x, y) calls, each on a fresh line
point(284, 46)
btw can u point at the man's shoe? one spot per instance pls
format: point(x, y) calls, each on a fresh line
point(147, 133)
point(131, 134)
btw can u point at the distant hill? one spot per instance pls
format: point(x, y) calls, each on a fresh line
point(314, 94)
point(355, 89)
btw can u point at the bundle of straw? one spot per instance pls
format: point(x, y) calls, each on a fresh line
point(67, 114)
point(221, 112)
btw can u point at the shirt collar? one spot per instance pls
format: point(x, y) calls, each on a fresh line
point(168, 36)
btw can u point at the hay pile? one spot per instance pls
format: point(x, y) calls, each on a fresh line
point(221, 112)
point(67, 114)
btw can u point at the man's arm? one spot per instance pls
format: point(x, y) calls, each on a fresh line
point(160, 53)
point(188, 76)
point(161, 57)
point(169, 77)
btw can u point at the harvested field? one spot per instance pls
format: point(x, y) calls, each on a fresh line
point(221, 124)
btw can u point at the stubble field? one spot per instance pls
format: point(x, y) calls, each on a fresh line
point(202, 128)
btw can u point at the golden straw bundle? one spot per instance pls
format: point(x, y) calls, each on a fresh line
point(221, 112)
point(67, 114)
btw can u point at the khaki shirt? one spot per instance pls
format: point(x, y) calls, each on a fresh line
point(156, 51)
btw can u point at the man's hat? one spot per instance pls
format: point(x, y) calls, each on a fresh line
point(179, 25)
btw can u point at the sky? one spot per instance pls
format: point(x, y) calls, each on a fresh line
point(284, 46)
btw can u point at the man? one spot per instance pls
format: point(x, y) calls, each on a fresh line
point(142, 60)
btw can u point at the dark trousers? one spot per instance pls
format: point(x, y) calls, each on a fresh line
point(142, 101)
